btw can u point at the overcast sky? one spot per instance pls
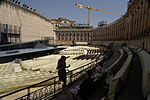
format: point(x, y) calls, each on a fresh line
point(67, 9)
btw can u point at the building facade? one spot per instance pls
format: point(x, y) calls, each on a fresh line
point(59, 22)
point(21, 23)
point(132, 28)
point(74, 34)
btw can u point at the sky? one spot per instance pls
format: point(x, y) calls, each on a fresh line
point(67, 9)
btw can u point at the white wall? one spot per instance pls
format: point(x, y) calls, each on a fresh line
point(33, 26)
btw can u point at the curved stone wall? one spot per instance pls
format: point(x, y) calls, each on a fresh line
point(132, 28)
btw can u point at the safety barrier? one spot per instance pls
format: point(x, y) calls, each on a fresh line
point(145, 63)
point(120, 78)
point(148, 97)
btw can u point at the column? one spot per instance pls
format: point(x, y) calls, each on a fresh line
point(130, 26)
point(146, 19)
point(142, 19)
point(133, 24)
point(138, 22)
point(149, 16)
point(126, 25)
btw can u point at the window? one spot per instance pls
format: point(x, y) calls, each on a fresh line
point(64, 34)
point(5, 27)
point(57, 34)
point(0, 27)
point(15, 29)
point(80, 34)
point(89, 34)
point(10, 29)
point(73, 38)
point(73, 34)
point(68, 38)
point(84, 34)
point(68, 34)
point(62, 38)
point(89, 38)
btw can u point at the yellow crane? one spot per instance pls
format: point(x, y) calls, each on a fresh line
point(90, 8)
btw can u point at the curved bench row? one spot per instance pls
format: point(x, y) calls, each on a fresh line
point(144, 60)
point(119, 79)
point(112, 68)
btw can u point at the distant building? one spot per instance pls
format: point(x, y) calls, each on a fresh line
point(21, 23)
point(62, 22)
point(102, 24)
point(72, 34)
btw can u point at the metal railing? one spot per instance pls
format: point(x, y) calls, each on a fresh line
point(52, 86)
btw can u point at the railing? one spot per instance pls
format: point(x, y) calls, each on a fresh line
point(51, 86)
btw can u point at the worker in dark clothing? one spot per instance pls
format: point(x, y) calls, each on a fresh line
point(61, 65)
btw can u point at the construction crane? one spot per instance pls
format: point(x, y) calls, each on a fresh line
point(90, 8)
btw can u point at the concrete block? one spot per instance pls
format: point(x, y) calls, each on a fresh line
point(144, 59)
point(148, 97)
